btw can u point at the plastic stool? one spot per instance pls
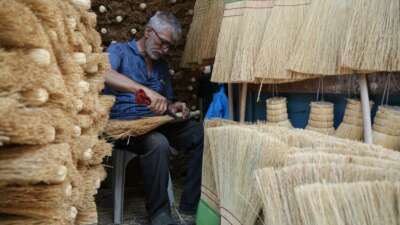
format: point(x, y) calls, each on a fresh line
point(121, 159)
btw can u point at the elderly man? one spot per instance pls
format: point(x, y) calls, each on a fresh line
point(139, 65)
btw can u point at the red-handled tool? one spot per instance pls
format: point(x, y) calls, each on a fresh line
point(142, 98)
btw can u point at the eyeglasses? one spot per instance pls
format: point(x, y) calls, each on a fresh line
point(165, 45)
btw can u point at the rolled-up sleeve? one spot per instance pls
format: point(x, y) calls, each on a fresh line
point(115, 56)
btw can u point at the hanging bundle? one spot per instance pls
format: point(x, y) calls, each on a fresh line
point(228, 41)
point(352, 125)
point(321, 117)
point(277, 112)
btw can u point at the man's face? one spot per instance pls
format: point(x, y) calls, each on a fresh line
point(158, 43)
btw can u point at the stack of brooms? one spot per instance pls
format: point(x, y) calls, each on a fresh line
point(386, 128)
point(321, 117)
point(277, 112)
point(295, 158)
point(51, 113)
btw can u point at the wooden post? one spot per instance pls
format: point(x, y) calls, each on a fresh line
point(230, 97)
point(365, 109)
point(243, 96)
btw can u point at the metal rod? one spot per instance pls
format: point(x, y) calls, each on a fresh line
point(365, 109)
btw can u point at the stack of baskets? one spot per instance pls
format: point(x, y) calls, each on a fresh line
point(277, 112)
point(386, 128)
point(321, 117)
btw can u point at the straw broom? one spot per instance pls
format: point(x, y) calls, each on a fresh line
point(253, 23)
point(118, 129)
point(277, 185)
point(35, 164)
point(82, 148)
point(278, 40)
point(351, 127)
point(101, 150)
point(209, 193)
point(194, 36)
point(242, 151)
point(227, 41)
point(372, 203)
point(19, 27)
point(39, 201)
point(321, 157)
point(320, 43)
point(277, 112)
point(324, 122)
point(211, 31)
point(373, 37)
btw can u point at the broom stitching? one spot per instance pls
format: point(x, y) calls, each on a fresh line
point(209, 189)
point(231, 215)
point(211, 198)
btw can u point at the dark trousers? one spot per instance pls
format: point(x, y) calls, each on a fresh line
point(154, 150)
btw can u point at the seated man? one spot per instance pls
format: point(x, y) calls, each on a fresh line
point(139, 65)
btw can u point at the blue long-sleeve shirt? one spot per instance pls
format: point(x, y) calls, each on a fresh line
point(126, 59)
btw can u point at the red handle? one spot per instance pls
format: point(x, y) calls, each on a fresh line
point(142, 98)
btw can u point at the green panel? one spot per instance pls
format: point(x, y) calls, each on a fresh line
point(206, 215)
point(230, 1)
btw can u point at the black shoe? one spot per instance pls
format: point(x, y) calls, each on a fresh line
point(163, 218)
point(187, 219)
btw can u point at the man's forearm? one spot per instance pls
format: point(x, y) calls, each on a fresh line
point(121, 83)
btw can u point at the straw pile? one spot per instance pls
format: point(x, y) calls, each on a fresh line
point(51, 112)
point(277, 112)
point(352, 124)
point(386, 128)
point(321, 117)
point(201, 43)
point(354, 203)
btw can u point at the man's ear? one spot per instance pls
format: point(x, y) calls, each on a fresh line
point(147, 31)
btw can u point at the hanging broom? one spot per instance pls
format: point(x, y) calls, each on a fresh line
point(321, 117)
point(191, 54)
point(386, 127)
point(253, 22)
point(210, 32)
point(236, 153)
point(373, 37)
point(227, 41)
point(36, 164)
point(278, 185)
point(277, 112)
point(371, 203)
point(351, 128)
point(320, 43)
point(278, 40)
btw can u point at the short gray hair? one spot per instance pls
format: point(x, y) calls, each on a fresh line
point(166, 20)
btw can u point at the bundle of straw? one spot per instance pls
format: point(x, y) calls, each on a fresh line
point(210, 31)
point(236, 153)
point(386, 128)
point(372, 203)
point(191, 54)
point(118, 129)
point(277, 186)
point(34, 164)
point(228, 41)
point(101, 150)
point(373, 37)
point(253, 22)
point(320, 43)
point(321, 117)
point(20, 220)
point(277, 112)
point(278, 40)
point(352, 125)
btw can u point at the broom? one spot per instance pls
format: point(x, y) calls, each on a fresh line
point(253, 23)
point(211, 31)
point(277, 185)
point(322, 157)
point(20, 220)
point(324, 122)
point(227, 41)
point(101, 150)
point(386, 127)
point(278, 40)
point(38, 201)
point(82, 148)
point(373, 37)
point(351, 128)
point(34, 164)
point(191, 53)
point(372, 203)
point(236, 153)
point(277, 112)
point(320, 42)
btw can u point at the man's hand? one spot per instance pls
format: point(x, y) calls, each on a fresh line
point(158, 104)
point(179, 107)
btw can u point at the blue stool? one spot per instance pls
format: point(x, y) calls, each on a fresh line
point(121, 159)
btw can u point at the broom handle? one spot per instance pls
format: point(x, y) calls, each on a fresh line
point(365, 109)
point(230, 95)
point(243, 95)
